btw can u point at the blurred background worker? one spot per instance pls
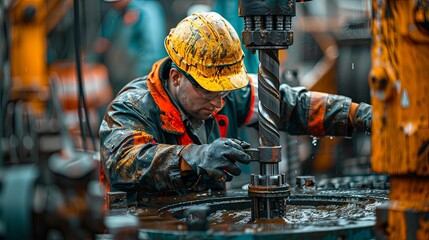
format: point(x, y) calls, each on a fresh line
point(173, 130)
point(130, 39)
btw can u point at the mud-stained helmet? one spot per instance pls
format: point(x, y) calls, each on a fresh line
point(207, 47)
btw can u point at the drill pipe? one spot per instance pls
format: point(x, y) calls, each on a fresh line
point(267, 28)
point(269, 107)
point(269, 190)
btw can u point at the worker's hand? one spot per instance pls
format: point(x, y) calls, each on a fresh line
point(362, 120)
point(218, 159)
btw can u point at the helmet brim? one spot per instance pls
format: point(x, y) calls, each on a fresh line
point(223, 83)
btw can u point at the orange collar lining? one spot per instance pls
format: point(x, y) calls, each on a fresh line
point(170, 115)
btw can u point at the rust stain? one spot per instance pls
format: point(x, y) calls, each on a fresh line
point(128, 159)
point(141, 137)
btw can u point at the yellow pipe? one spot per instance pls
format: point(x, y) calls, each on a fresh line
point(31, 21)
point(400, 130)
point(28, 51)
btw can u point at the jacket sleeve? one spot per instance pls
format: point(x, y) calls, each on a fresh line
point(131, 157)
point(305, 112)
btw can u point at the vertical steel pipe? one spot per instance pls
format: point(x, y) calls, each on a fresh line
point(267, 28)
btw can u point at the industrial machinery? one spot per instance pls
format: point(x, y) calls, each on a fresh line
point(210, 215)
point(49, 187)
point(50, 193)
point(267, 28)
point(400, 138)
point(338, 208)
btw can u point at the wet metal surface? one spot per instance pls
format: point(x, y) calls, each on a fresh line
point(337, 208)
point(348, 213)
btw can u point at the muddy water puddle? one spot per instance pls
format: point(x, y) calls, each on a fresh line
point(303, 214)
point(323, 211)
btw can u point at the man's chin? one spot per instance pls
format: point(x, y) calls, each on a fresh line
point(207, 117)
point(204, 116)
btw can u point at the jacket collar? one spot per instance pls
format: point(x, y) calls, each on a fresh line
point(170, 116)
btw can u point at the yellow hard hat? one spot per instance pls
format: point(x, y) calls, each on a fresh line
point(207, 47)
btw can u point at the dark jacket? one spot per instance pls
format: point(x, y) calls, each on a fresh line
point(143, 131)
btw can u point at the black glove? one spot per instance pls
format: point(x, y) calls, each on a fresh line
point(362, 120)
point(218, 159)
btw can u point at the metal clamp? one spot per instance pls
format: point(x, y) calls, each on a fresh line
point(265, 154)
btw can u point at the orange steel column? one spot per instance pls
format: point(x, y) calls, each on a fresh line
point(399, 82)
point(28, 52)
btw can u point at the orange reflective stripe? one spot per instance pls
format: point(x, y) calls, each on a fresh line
point(316, 113)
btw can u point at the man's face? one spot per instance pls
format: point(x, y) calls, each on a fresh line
point(197, 102)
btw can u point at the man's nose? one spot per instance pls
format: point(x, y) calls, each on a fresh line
point(217, 101)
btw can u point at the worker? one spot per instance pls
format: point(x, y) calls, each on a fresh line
point(174, 130)
point(130, 39)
